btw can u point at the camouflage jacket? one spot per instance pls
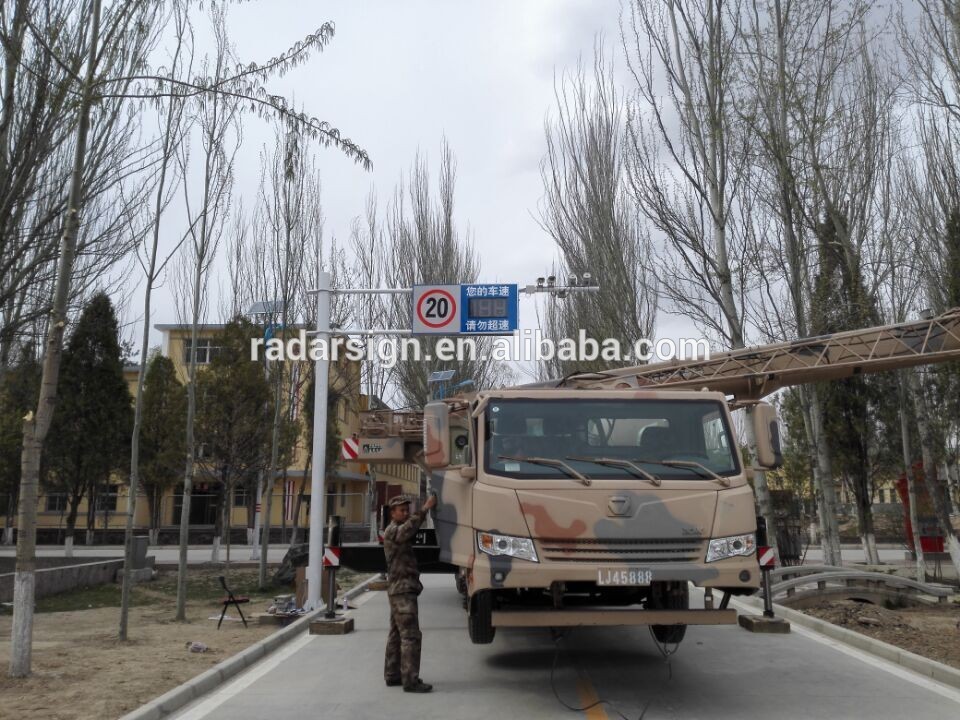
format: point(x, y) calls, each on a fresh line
point(402, 573)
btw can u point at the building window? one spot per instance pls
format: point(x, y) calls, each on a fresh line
point(56, 502)
point(240, 497)
point(107, 500)
point(206, 351)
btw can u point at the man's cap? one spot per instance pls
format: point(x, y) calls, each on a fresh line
point(400, 500)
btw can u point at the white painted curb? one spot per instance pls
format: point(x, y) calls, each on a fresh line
point(904, 658)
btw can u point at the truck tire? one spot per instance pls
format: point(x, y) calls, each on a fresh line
point(480, 618)
point(671, 596)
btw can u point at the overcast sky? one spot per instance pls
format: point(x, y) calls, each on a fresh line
point(399, 77)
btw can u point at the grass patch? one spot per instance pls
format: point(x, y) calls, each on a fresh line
point(99, 596)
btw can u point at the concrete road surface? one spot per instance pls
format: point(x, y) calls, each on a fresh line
point(718, 672)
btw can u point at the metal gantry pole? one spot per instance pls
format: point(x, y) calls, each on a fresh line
point(318, 478)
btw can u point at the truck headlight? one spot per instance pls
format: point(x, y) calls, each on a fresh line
point(721, 548)
point(517, 547)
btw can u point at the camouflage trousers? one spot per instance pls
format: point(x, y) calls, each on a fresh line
point(402, 661)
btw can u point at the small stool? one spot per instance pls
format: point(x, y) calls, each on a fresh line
point(229, 600)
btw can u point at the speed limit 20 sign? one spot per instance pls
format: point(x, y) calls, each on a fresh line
point(436, 309)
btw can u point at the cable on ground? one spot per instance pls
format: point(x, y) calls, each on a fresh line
point(558, 636)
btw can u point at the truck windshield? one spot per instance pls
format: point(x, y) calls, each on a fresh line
point(651, 434)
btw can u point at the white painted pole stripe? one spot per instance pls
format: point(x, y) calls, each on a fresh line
point(331, 557)
point(767, 557)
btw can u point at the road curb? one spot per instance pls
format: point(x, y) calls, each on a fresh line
point(904, 658)
point(205, 682)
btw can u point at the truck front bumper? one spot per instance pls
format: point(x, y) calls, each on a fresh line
point(499, 572)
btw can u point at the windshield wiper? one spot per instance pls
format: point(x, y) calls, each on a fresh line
point(619, 463)
point(549, 462)
point(703, 469)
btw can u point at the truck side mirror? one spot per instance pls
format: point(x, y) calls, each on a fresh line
point(766, 431)
point(436, 435)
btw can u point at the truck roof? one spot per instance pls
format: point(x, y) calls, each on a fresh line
point(553, 393)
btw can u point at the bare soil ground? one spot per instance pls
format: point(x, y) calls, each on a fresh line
point(933, 632)
point(81, 671)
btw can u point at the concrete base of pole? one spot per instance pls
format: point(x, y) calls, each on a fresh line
point(338, 626)
point(760, 624)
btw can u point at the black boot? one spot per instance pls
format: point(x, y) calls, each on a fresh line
point(419, 687)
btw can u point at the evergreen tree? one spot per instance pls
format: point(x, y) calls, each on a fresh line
point(162, 435)
point(856, 420)
point(91, 427)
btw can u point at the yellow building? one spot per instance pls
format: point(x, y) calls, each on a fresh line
point(354, 490)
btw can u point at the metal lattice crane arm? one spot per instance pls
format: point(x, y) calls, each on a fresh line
point(753, 373)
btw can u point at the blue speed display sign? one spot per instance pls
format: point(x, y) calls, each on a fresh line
point(479, 309)
point(488, 309)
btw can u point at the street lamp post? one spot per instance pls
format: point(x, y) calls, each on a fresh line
point(318, 477)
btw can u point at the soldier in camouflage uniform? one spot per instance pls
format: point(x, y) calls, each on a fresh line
point(402, 662)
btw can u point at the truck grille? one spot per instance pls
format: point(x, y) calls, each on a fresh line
point(640, 551)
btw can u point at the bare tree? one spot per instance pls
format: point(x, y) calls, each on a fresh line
point(173, 134)
point(592, 219)
point(291, 218)
point(126, 31)
point(687, 166)
point(216, 118)
point(791, 74)
point(426, 247)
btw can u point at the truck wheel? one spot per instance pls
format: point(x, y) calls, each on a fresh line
point(480, 618)
point(670, 596)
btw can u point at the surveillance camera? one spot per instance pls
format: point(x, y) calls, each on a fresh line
point(539, 282)
point(561, 294)
point(573, 281)
point(551, 280)
point(587, 277)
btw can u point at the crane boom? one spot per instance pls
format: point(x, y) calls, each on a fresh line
point(752, 373)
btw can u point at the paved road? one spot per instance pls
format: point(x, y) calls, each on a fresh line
point(163, 553)
point(719, 672)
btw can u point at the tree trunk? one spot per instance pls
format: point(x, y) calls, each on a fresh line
point(268, 488)
point(218, 523)
point(921, 568)
point(8, 529)
point(155, 500)
point(823, 477)
point(295, 534)
point(37, 425)
point(935, 488)
point(865, 526)
point(73, 511)
point(92, 496)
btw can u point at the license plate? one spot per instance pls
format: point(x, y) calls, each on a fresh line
point(624, 576)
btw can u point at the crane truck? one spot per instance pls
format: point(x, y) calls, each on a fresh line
point(599, 498)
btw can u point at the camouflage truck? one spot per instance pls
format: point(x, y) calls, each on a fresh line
point(564, 507)
point(601, 498)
